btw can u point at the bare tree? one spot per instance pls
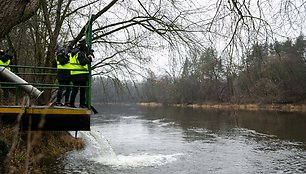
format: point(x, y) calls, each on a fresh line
point(14, 12)
point(126, 34)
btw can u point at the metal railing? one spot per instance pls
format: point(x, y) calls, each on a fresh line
point(34, 76)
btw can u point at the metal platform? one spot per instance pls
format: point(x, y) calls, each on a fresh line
point(55, 118)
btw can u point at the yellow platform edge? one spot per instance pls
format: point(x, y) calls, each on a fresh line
point(44, 110)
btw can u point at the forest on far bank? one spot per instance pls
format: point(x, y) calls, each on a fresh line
point(266, 73)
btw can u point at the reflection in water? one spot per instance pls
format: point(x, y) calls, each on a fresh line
point(284, 125)
point(183, 140)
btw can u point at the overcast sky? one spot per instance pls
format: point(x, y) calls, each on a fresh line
point(285, 18)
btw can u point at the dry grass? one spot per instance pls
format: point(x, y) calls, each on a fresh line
point(234, 106)
point(32, 152)
point(151, 104)
point(254, 107)
point(26, 152)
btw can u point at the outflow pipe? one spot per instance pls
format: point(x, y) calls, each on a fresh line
point(29, 89)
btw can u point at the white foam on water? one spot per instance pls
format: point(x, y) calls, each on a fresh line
point(158, 120)
point(130, 117)
point(96, 145)
point(198, 130)
point(99, 150)
point(253, 132)
point(138, 160)
point(162, 122)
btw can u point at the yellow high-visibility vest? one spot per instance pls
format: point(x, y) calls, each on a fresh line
point(66, 66)
point(5, 64)
point(75, 64)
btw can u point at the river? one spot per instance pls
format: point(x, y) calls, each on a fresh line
point(130, 139)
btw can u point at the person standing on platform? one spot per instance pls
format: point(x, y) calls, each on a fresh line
point(80, 60)
point(63, 75)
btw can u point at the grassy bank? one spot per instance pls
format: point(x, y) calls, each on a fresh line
point(33, 152)
point(234, 106)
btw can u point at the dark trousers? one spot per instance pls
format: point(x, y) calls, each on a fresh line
point(75, 90)
point(61, 90)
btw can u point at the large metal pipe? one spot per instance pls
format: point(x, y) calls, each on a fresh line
point(29, 89)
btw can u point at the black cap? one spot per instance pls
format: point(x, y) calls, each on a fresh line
point(8, 52)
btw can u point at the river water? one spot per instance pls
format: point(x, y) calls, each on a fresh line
point(133, 139)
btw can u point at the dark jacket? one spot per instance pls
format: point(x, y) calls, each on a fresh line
point(4, 58)
point(84, 60)
point(63, 74)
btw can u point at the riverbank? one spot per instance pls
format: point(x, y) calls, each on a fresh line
point(33, 152)
point(234, 106)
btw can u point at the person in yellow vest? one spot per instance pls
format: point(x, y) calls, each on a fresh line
point(5, 60)
point(79, 60)
point(63, 75)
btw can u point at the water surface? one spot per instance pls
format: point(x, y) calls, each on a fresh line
point(134, 139)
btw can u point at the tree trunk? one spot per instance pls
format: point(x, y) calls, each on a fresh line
point(14, 12)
